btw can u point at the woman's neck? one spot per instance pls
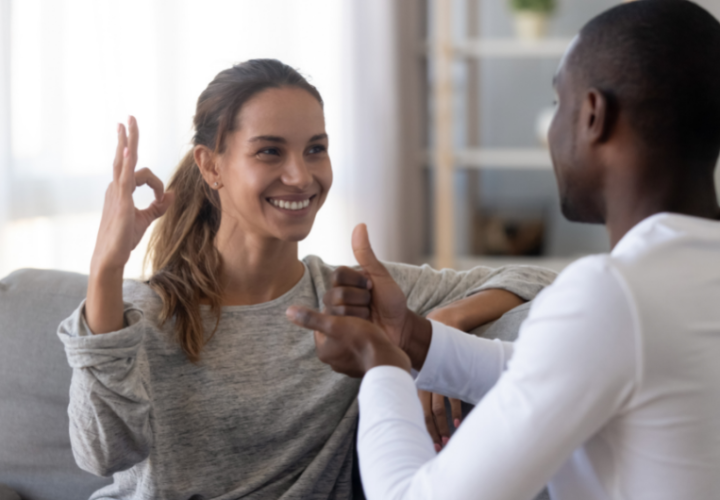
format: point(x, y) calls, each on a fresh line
point(255, 269)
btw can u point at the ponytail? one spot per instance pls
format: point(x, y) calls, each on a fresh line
point(184, 259)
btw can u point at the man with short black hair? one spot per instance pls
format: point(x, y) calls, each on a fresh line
point(612, 390)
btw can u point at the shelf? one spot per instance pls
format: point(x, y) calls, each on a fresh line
point(513, 48)
point(511, 158)
point(510, 48)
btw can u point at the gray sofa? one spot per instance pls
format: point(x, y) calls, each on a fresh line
point(36, 461)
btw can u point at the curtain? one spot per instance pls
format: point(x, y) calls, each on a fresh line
point(72, 69)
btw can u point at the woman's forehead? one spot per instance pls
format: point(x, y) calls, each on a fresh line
point(282, 112)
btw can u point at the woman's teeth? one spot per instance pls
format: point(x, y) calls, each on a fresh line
point(290, 205)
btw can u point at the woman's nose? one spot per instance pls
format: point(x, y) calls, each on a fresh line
point(297, 174)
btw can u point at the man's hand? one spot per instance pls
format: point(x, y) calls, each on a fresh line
point(374, 295)
point(349, 345)
point(351, 294)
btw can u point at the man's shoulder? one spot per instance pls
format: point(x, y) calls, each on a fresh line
point(587, 282)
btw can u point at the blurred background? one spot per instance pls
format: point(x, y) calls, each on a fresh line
point(436, 109)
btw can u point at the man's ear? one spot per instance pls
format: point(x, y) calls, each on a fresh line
point(595, 116)
point(205, 159)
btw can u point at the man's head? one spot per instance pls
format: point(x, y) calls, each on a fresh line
point(640, 85)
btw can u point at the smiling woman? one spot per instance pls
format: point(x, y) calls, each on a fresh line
point(194, 384)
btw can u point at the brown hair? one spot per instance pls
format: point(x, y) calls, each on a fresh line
point(185, 263)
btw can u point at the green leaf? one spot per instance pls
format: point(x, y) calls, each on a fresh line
point(541, 6)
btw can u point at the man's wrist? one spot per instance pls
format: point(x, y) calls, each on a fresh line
point(417, 335)
point(387, 354)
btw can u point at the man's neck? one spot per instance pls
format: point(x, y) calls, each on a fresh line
point(632, 202)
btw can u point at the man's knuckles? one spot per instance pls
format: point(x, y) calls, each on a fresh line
point(346, 276)
point(344, 295)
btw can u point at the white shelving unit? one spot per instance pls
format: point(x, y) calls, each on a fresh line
point(442, 51)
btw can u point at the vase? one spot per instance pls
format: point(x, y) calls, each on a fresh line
point(530, 25)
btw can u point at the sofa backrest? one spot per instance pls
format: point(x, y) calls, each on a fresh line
point(35, 455)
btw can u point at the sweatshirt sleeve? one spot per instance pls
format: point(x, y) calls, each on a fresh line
point(109, 403)
point(427, 288)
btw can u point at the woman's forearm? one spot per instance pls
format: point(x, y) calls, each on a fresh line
point(104, 305)
point(476, 310)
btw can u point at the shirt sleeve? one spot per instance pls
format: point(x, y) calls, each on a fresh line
point(427, 288)
point(109, 403)
point(478, 363)
point(571, 370)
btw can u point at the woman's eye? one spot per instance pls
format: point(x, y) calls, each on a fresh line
point(269, 151)
point(317, 149)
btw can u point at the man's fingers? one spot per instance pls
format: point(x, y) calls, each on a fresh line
point(438, 411)
point(456, 411)
point(320, 339)
point(364, 253)
point(355, 311)
point(312, 320)
point(426, 402)
point(346, 276)
point(347, 296)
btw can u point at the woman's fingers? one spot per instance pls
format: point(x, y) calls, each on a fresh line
point(426, 402)
point(440, 414)
point(119, 157)
point(130, 153)
point(456, 410)
point(145, 176)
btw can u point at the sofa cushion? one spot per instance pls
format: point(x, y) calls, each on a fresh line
point(35, 455)
point(8, 494)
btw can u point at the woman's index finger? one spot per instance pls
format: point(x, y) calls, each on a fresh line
point(119, 151)
point(130, 153)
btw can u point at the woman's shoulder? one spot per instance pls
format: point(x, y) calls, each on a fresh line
point(319, 270)
point(141, 295)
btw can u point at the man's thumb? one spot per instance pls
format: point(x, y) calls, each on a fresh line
point(364, 253)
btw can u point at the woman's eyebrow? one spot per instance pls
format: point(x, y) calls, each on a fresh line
point(270, 138)
point(318, 137)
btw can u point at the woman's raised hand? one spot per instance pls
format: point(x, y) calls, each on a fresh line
point(123, 225)
point(121, 228)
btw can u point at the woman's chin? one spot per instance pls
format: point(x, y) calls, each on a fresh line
point(295, 235)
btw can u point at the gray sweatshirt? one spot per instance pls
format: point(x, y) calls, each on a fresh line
point(259, 417)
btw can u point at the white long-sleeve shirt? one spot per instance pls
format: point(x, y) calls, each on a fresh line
point(612, 390)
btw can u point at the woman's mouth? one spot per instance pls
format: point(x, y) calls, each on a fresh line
point(295, 204)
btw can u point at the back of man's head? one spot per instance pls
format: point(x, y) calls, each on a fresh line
point(658, 61)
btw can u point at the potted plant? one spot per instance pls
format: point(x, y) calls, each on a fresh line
point(531, 17)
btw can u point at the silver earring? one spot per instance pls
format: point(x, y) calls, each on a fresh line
point(215, 184)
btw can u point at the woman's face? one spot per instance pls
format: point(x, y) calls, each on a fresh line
point(275, 171)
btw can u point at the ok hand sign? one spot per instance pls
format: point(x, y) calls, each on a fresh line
point(123, 225)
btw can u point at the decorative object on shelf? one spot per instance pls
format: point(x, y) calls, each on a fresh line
point(542, 124)
point(531, 17)
point(509, 233)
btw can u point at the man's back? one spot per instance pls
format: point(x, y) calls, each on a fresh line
point(666, 437)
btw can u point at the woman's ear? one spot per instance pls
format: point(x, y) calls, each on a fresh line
point(205, 160)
